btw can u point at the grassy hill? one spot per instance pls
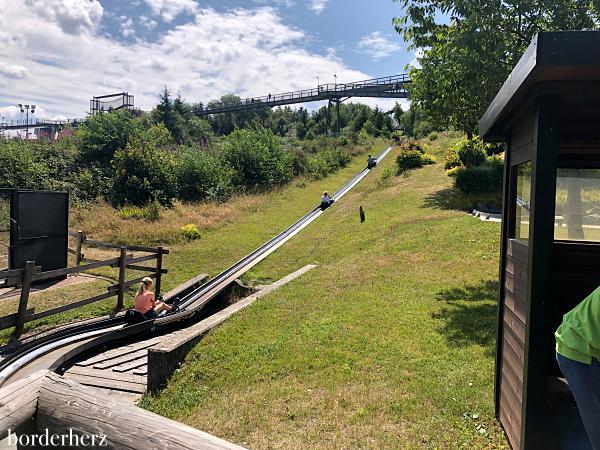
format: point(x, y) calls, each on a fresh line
point(388, 344)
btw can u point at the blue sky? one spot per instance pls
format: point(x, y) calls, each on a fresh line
point(59, 53)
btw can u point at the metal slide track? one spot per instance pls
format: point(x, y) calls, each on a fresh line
point(86, 337)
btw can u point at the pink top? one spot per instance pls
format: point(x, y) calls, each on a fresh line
point(144, 302)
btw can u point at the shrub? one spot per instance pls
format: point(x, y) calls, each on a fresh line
point(452, 160)
point(433, 136)
point(386, 175)
point(150, 212)
point(409, 159)
point(427, 159)
point(471, 152)
point(102, 135)
point(258, 158)
point(201, 175)
point(397, 136)
point(190, 232)
point(412, 146)
point(22, 167)
point(141, 174)
point(89, 184)
point(480, 179)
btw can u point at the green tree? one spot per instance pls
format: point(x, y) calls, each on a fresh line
point(465, 62)
point(258, 158)
point(164, 111)
point(142, 173)
point(102, 135)
point(201, 175)
point(398, 111)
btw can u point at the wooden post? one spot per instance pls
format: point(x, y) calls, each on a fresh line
point(159, 256)
point(122, 269)
point(78, 247)
point(29, 267)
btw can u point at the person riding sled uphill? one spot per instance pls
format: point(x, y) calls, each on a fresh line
point(326, 201)
point(371, 162)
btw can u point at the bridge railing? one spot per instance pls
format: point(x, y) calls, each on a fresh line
point(396, 81)
point(38, 122)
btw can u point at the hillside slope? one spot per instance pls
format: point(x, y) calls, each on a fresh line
point(388, 343)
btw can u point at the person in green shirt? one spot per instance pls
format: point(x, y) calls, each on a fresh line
point(578, 356)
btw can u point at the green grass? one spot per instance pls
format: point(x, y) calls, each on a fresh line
point(389, 343)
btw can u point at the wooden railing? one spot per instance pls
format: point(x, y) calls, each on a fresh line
point(125, 261)
point(46, 404)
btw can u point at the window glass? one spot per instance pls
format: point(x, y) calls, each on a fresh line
point(577, 215)
point(523, 201)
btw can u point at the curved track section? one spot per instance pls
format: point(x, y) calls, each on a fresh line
point(55, 348)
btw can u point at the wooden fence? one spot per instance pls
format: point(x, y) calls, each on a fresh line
point(32, 274)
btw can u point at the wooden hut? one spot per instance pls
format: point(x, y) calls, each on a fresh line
point(548, 113)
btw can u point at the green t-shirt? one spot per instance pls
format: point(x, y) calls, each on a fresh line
point(578, 337)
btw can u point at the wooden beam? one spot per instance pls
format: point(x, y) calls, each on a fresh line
point(11, 319)
point(18, 402)
point(146, 269)
point(27, 278)
point(65, 405)
point(71, 270)
point(69, 306)
point(534, 428)
point(127, 284)
point(134, 248)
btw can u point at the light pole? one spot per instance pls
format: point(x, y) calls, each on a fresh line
point(27, 108)
point(335, 78)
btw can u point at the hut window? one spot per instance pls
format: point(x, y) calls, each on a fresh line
point(522, 201)
point(577, 205)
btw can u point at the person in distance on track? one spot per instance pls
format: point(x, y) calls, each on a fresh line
point(145, 302)
point(326, 201)
point(371, 162)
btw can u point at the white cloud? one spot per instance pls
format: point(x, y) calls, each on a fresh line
point(378, 45)
point(318, 6)
point(286, 3)
point(147, 22)
point(247, 52)
point(72, 16)
point(13, 71)
point(169, 9)
point(127, 28)
point(416, 57)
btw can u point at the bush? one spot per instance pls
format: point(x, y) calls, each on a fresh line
point(386, 175)
point(89, 184)
point(480, 179)
point(452, 160)
point(141, 174)
point(413, 157)
point(471, 152)
point(409, 159)
point(22, 167)
point(412, 146)
point(102, 135)
point(258, 158)
point(433, 136)
point(190, 232)
point(150, 212)
point(201, 175)
point(397, 136)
